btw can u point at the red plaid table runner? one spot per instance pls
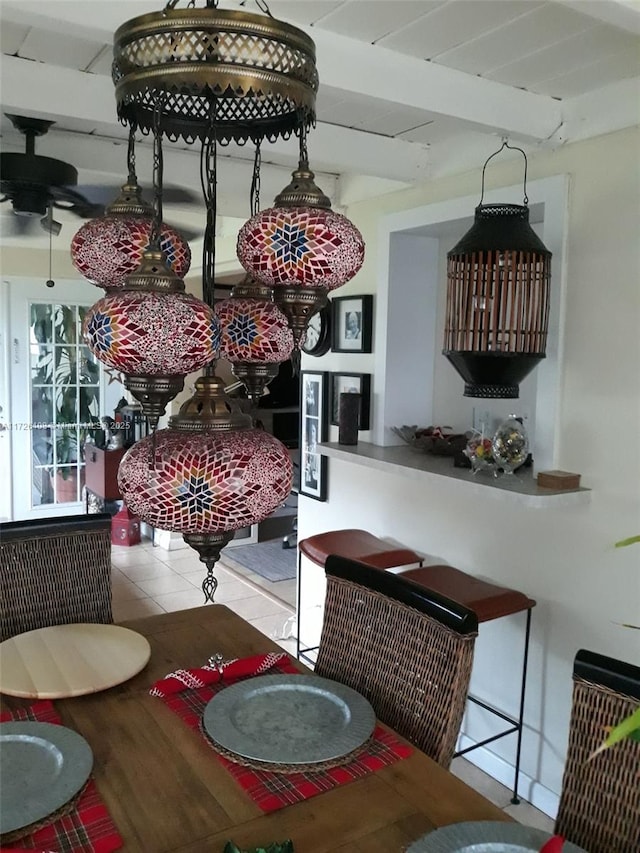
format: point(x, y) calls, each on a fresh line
point(271, 790)
point(87, 829)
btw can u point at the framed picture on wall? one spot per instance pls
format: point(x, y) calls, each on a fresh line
point(351, 383)
point(352, 323)
point(313, 429)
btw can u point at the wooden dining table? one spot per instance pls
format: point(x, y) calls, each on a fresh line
point(167, 792)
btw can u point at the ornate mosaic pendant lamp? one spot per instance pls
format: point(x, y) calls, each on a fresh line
point(255, 335)
point(152, 332)
point(206, 476)
point(150, 329)
point(497, 314)
point(109, 248)
point(301, 247)
point(211, 76)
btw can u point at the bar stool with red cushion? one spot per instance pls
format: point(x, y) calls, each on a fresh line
point(353, 544)
point(488, 601)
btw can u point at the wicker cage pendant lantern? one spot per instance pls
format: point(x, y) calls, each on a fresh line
point(497, 314)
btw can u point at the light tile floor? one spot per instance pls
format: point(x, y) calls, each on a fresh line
point(149, 580)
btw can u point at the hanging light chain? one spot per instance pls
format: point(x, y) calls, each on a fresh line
point(131, 154)
point(262, 5)
point(304, 153)
point(171, 4)
point(158, 168)
point(209, 182)
point(254, 198)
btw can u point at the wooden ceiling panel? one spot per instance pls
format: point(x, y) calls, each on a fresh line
point(529, 33)
point(600, 73)
point(455, 23)
point(301, 14)
point(566, 57)
point(442, 127)
point(371, 20)
point(351, 110)
point(63, 50)
point(397, 121)
point(12, 37)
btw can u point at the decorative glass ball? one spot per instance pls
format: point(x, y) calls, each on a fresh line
point(305, 246)
point(253, 330)
point(155, 333)
point(108, 249)
point(510, 445)
point(201, 482)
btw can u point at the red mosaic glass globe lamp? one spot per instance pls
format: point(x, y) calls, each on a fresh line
point(206, 476)
point(301, 248)
point(108, 249)
point(254, 335)
point(153, 332)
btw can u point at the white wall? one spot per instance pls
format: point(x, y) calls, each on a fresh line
point(564, 558)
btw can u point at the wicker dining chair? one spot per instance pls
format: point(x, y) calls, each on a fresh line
point(408, 650)
point(54, 571)
point(600, 799)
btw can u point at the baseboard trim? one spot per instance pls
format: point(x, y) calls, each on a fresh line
point(529, 789)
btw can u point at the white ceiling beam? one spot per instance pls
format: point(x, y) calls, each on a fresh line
point(348, 64)
point(613, 107)
point(624, 14)
point(86, 102)
point(94, 20)
point(377, 72)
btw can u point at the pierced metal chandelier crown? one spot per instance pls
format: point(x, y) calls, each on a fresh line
point(257, 74)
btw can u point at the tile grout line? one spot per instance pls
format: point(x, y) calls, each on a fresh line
point(260, 589)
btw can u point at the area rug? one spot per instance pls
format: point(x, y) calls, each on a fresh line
point(267, 559)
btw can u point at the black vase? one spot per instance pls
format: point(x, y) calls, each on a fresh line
point(348, 418)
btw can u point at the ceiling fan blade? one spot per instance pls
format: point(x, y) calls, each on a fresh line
point(67, 198)
point(100, 194)
point(188, 233)
point(179, 195)
point(13, 225)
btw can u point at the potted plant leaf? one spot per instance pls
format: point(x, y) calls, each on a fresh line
point(630, 726)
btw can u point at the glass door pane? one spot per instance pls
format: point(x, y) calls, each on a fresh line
point(59, 392)
point(65, 402)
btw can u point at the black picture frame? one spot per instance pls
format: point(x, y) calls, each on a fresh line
point(314, 408)
point(352, 323)
point(360, 383)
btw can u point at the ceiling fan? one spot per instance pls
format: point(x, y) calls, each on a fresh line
point(35, 185)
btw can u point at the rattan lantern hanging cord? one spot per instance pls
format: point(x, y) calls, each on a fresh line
point(505, 144)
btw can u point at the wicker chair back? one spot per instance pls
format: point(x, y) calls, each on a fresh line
point(408, 650)
point(54, 571)
point(600, 800)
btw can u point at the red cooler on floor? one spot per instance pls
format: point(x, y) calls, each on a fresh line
point(125, 528)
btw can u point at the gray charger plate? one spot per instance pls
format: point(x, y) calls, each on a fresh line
point(43, 766)
point(486, 836)
point(289, 719)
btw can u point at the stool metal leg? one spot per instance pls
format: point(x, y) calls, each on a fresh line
point(298, 602)
point(516, 799)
